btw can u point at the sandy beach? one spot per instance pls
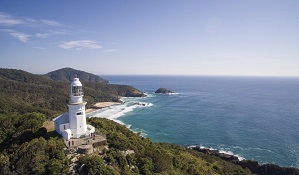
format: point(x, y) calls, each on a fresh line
point(101, 105)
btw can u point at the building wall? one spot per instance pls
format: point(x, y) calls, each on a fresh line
point(63, 127)
point(77, 118)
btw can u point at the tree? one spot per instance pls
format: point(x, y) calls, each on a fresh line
point(94, 165)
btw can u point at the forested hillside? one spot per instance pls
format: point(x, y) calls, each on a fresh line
point(27, 148)
point(22, 92)
point(67, 74)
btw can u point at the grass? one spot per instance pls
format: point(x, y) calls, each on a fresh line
point(49, 125)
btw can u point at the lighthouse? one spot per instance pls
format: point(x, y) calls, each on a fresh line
point(77, 116)
point(72, 124)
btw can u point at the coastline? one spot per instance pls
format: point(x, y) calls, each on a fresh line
point(252, 165)
point(101, 105)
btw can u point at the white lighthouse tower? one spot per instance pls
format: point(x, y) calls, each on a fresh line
point(77, 116)
point(72, 124)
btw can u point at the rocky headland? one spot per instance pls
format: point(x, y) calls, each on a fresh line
point(24, 92)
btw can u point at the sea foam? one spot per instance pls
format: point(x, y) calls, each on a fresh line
point(240, 158)
point(116, 111)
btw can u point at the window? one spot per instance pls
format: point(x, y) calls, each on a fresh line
point(79, 113)
point(77, 90)
point(64, 127)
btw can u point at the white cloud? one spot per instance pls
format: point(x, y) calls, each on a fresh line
point(17, 35)
point(40, 25)
point(20, 36)
point(81, 45)
point(8, 20)
point(50, 22)
point(30, 20)
point(51, 32)
point(111, 50)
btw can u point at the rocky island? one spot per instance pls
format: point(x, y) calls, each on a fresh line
point(163, 91)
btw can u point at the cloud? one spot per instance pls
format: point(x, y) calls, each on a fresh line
point(80, 45)
point(51, 32)
point(17, 35)
point(20, 36)
point(42, 28)
point(111, 50)
point(51, 22)
point(8, 20)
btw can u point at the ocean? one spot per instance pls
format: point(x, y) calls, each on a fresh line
point(254, 118)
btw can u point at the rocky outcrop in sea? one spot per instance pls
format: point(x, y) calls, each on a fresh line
point(163, 91)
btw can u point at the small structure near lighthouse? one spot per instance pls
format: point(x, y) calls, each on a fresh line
point(72, 124)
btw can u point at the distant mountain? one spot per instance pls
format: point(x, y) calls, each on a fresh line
point(67, 74)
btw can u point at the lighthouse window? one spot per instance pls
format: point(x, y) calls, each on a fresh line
point(79, 113)
point(77, 90)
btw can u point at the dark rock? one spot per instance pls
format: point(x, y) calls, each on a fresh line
point(226, 157)
point(163, 91)
point(253, 166)
point(266, 169)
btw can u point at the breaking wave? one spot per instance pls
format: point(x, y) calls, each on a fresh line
point(116, 111)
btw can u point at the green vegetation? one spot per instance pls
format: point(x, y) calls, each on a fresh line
point(67, 74)
point(26, 148)
point(22, 92)
point(149, 157)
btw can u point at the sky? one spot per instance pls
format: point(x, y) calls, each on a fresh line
point(152, 37)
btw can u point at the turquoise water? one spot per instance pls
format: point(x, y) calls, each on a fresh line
point(253, 118)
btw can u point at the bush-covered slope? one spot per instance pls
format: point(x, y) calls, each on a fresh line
point(149, 157)
point(23, 92)
point(26, 148)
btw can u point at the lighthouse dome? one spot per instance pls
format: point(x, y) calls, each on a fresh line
point(76, 82)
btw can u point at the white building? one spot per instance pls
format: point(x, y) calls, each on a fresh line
point(72, 124)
